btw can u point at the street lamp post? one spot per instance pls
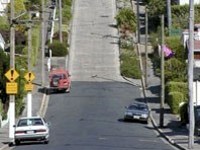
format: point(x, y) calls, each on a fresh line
point(29, 93)
point(162, 98)
point(190, 75)
point(60, 21)
point(138, 22)
point(146, 42)
point(12, 65)
point(43, 46)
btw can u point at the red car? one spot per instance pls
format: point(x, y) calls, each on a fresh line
point(60, 80)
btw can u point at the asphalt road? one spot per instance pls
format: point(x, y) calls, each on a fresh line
point(90, 117)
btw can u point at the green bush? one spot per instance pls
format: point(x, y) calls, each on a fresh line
point(67, 2)
point(66, 14)
point(174, 100)
point(175, 70)
point(58, 49)
point(4, 23)
point(176, 46)
point(64, 36)
point(21, 67)
point(130, 66)
point(35, 43)
point(178, 87)
point(184, 114)
point(19, 49)
point(126, 19)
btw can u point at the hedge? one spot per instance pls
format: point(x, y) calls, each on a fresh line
point(178, 87)
point(58, 49)
point(130, 66)
point(174, 100)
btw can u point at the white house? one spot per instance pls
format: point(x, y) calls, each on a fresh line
point(196, 87)
point(2, 42)
point(183, 2)
point(3, 4)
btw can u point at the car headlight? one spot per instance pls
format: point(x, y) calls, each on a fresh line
point(144, 115)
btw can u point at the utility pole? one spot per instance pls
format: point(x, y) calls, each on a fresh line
point(162, 97)
point(190, 75)
point(43, 46)
point(138, 22)
point(60, 21)
point(146, 42)
point(29, 93)
point(12, 65)
point(169, 17)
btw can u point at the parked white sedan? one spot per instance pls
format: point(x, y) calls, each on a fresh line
point(31, 129)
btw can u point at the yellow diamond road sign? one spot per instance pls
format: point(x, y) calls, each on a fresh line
point(11, 75)
point(29, 76)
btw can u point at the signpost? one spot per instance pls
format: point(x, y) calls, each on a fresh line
point(29, 87)
point(11, 89)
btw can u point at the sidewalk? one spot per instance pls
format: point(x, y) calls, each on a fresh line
point(172, 131)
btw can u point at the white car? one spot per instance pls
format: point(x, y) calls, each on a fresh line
point(31, 129)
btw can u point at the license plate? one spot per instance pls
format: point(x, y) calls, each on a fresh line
point(136, 117)
point(30, 132)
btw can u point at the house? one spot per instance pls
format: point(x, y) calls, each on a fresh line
point(196, 86)
point(185, 42)
point(2, 42)
point(3, 5)
point(185, 34)
point(183, 2)
point(196, 53)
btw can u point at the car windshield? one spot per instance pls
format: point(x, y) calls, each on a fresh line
point(59, 76)
point(138, 107)
point(30, 122)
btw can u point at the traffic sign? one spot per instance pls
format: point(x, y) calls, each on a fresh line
point(12, 75)
point(29, 76)
point(29, 87)
point(11, 88)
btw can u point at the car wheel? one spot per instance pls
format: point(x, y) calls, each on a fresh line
point(17, 142)
point(148, 121)
point(68, 89)
point(46, 141)
point(125, 119)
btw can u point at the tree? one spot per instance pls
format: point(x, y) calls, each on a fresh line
point(58, 49)
point(155, 9)
point(4, 66)
point(126, 20)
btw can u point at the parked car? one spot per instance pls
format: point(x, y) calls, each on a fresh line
point(31, 129)
point(137, 111)
point(59, 80)
point(197, 119)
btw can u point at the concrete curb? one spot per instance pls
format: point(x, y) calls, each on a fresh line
point(131, 82)
point(43, 106)
point(163, 135)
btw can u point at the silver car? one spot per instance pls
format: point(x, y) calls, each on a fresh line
point(137, 111)
point(31, 129)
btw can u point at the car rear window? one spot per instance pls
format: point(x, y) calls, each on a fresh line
point(138, 107)
point(30, 122)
